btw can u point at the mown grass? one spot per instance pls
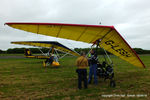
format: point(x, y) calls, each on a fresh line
point(11, 54)
point(27, 79)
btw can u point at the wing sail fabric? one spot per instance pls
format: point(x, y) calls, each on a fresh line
point(111, 40)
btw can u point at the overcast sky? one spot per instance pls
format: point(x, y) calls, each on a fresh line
point(130, 17)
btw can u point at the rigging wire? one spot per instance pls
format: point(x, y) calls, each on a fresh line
point(98, 45)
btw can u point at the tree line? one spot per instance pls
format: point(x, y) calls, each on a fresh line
point(100, 51)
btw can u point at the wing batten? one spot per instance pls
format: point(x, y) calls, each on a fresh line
point(97, 35)
point(59, 31)
point(106, 34)
point(37, 29)
point(82, 33)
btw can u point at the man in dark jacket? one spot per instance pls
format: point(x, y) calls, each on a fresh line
point(93, 59)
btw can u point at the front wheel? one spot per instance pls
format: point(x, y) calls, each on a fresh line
point(112, 83)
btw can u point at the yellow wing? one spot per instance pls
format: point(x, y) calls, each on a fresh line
point(48, 44)
point(111, 40)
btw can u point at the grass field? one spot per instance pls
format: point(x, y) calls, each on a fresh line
point(22, 78)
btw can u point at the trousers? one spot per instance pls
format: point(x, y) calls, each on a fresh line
point(93, 71)
point(82, 76)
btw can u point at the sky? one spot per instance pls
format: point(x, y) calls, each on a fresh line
point(130, 17)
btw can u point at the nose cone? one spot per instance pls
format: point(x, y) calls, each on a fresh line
point(55, 63)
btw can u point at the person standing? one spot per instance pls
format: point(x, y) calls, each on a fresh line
point(93, 67)
point(82, 64)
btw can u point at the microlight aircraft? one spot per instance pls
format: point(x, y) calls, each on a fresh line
point(52, 55)
point(106, 37)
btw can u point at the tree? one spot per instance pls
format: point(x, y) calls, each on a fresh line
point(1, 51)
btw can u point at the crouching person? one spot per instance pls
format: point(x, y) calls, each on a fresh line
point(82, 64)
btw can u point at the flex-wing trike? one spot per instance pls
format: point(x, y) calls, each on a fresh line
point(56, 51)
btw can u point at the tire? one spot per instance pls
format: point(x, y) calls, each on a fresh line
point(112, 83)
